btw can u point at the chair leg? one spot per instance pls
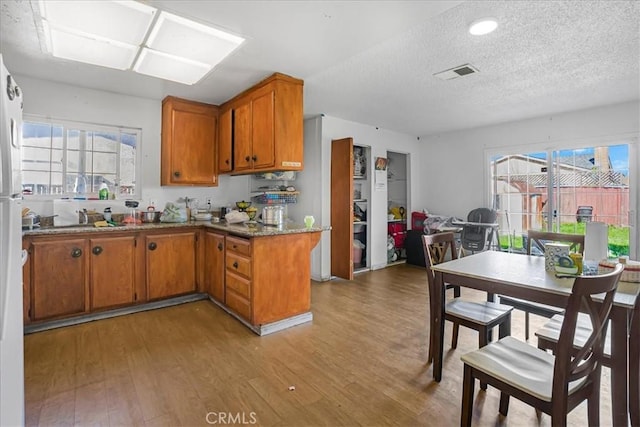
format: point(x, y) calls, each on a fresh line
point(484, 338)
point(454, 336)
point(456, 291)
point(593, 401)
point(526, 325)
point(504, 403)
point(432, 327)
point(467, 397)
point(504, 330)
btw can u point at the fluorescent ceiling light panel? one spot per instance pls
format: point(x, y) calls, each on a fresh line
point(111, 33)
point(182, 37)
point(125, 21)
point(92, 50)
point(170, 67)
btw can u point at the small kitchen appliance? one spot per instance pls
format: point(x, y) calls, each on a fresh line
point(273, 215)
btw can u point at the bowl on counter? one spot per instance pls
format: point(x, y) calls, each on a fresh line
point(205, 216)
point(242, 206)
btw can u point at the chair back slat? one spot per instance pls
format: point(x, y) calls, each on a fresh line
point(541, 238)
point(436, 246)
point(573, 364)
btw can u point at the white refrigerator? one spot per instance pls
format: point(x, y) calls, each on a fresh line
point(11, 328)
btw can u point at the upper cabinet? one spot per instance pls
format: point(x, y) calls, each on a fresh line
point(266, 127)
point(225, 140)
point(189, 153)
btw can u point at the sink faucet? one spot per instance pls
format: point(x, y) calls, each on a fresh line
point(84, 218)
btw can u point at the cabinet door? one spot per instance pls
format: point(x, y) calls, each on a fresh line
point(263, 142)
point(193, 153)
point(58, 279)
point(170, 264)
point(189, 139)
point(225, 141)
point(214, 265)
point(113, 267)
point(242, 133)
point(342, 208)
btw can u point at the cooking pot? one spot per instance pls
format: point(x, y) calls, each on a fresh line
point(273, 215)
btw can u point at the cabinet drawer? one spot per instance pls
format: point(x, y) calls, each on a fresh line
point(239, 304)
point(238, 264)
point(239, 284)
point(241, 246)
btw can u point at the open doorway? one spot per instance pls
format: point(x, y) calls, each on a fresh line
point(397, 206)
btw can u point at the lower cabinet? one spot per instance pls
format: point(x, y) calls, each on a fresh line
point(261, 279)
point(238, 277)
point(70, 276)
point(58, 278)
point(214, 266)
point(113, 271)
point(170, 264)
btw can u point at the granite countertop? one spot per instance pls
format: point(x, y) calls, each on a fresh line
point(241, 229)
point(257, 229)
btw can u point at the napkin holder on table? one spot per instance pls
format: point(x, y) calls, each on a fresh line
point(553, 251)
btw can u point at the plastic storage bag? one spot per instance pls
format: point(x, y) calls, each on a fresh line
point(173, 213)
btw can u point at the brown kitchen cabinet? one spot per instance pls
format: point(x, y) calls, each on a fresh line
point(267, 277)
point(113, 268)
point(225, 140)
point(59, 274)
point(189, 143)
point(170, 264)
point(214, 265)
point(260, 279)
point(267, 123)
point(238, 276)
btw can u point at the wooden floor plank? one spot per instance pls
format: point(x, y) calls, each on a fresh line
point(360, 362)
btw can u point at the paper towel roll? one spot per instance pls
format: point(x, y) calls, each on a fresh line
point(596, 241)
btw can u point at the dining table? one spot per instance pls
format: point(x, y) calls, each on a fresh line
point(524, 276)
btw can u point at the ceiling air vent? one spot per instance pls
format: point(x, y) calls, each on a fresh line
point(454, 73)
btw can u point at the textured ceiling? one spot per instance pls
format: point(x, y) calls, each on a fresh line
point(373, 62)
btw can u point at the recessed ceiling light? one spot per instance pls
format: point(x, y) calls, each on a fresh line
point(483, 26)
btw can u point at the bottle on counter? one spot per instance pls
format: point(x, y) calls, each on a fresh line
point(80, 186)
point(103, 192)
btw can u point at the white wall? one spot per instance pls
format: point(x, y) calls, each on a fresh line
point(454, 162)
point(60, 101)
point(319, 131)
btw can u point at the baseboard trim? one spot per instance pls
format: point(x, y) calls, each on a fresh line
point(45, 326)
point(269, 328)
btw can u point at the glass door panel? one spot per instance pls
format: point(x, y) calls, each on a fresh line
point(592, 184)
point(519, 184)
point(562, 190)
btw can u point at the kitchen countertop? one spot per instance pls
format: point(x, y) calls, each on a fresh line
point(240, 229)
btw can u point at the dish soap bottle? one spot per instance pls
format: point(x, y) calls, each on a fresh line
point(103, 192)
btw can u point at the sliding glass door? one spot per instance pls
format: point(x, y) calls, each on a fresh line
point(561, 190)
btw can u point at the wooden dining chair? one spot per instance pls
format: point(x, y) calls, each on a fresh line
point(480, 316)
point(538, 239)
point(549, 334)
point(553, 384)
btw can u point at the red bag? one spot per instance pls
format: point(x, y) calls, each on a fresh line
point(398, 231)
point(417, 220)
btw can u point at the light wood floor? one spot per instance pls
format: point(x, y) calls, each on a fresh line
point(361, 362)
